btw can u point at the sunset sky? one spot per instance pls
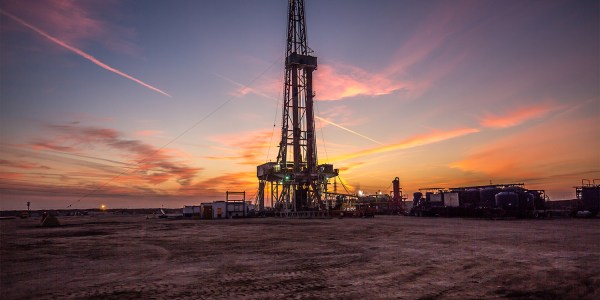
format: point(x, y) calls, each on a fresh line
point(172, 103)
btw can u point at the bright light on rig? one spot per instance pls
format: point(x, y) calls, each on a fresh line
point(103, 206)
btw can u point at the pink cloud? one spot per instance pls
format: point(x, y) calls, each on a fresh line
point(148, 133)
point(436, 29)
point(518, 116)
point(21, 164)
point(344, 81)
point(339, 81)
point(77, 22)
point(152, 165)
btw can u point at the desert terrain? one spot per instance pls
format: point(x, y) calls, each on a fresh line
point(387, 257)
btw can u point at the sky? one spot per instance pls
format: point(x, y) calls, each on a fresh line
point(170, 103)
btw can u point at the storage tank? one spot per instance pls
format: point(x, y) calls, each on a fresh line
point(451, 199)
point(530, 201)
point(417, 196)
point(591, 198)
point(539, 202)
point(486, 196)
point(507, 200)
point(436, 198)
point(469, 197)
point(396, 184)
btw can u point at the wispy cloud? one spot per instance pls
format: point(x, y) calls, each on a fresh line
point(427, 44)
point(414, 141)
point(148, 132)
point(245, 90)
point(81, 52)
point(540, 151)
point(345, 81)
point(21, 164)
point(77, 22)
point(151, 164)
point(247, 148)
point(518, 116)
point(215, 186)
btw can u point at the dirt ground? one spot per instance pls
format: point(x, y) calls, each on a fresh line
point(388, 257)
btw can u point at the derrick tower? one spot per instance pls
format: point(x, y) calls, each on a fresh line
point(295, 181)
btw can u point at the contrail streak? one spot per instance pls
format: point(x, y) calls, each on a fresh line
point(349, 130)
point(81, 53)
point(324, 120)
point(411, 142)
point(249, 89)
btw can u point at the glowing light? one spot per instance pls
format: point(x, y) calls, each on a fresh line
point(103, 207)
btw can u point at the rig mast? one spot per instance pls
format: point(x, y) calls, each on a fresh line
point(296, 181)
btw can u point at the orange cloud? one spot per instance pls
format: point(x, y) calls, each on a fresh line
point(344, 81)
point(215, 186)
point(415, 141)
point(81, 53)
point(517, 117)
point(148, 132)
point(249, 148)
point(562, 146)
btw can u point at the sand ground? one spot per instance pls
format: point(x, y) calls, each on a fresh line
point(388, 257)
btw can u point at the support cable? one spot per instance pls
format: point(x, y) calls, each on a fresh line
point(343, 185)
point(274, 122)
point(322, 135)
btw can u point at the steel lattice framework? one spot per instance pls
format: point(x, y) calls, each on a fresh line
point(296, 181)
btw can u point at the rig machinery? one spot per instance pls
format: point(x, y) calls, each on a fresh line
point(295, 181)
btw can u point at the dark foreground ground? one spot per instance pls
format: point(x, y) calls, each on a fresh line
point(386, 257)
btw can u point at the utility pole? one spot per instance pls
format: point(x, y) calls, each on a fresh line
point(296, 181)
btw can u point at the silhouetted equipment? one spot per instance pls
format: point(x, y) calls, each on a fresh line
point(295, 181)
point(587, 202)
point(49, 220)
point(396, 202)
point(235, 204)
point(496, 200)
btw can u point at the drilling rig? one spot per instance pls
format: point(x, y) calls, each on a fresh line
point(296, 181)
